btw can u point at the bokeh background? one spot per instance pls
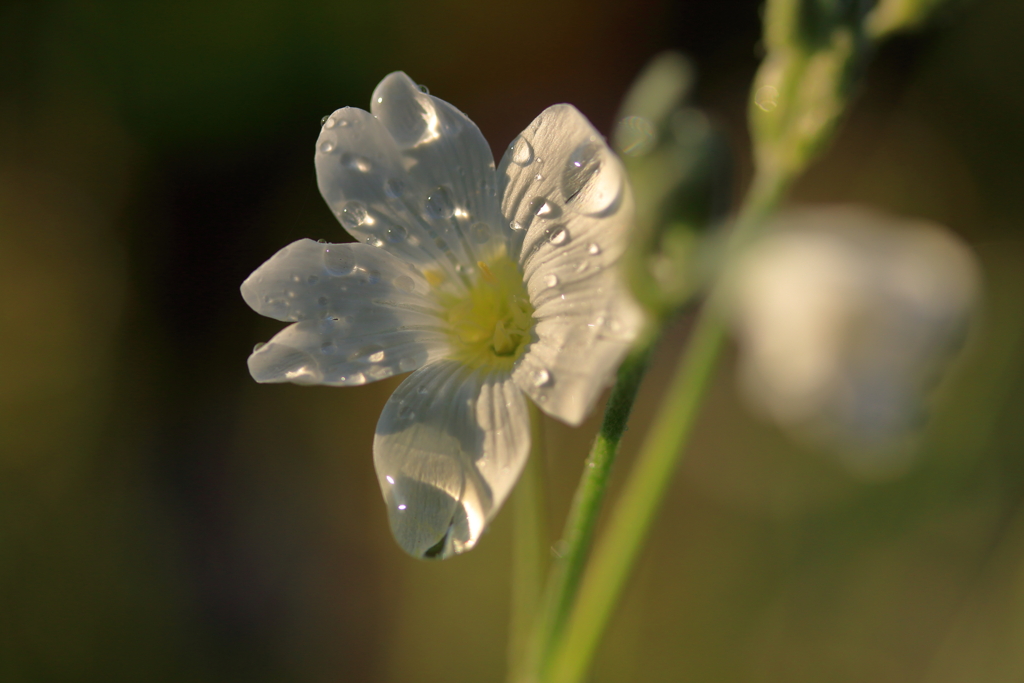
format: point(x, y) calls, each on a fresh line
point(164, 518)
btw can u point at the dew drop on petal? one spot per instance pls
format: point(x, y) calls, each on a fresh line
point(551, 280)
point(541, 378)
point(592, 181)
point(405, 283)
point(352, 215)
point(375, 241)
point(258, 346)
point(327, 122)
point(522, 151)
point(356, 162)
point(375, 356)
point(407, 364)
point(516, 225)
point(543, 208)
point(594, 249)
point(406, 413)
point(424, 89)
point(480, 232)
point(326, 146)
point(558, 236)
point(397, 234)
point(439, 204)
point(394, 188)
point(372, 277)
point(338, 260)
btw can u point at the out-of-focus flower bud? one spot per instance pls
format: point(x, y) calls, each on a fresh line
point(679, 167)
point(846, 319)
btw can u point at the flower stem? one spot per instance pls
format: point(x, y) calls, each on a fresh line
point(529, 547)
point(572, 550)
point(619, 546)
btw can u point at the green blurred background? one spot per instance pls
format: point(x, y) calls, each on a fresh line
point(164, 518)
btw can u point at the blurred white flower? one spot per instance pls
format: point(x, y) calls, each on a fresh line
point(493, 286)
point(846, 318)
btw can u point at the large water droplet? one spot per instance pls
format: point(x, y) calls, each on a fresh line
point(356, 162)
point(407, 364)
point(424, 89)
point(541, 378)
point(327, 122)
point(374, 241)
point(338, 260)
point(439, 204)
point(326, 146)
point(352, 215)
point(558, 235)
point(522, 152)
point(592, 179)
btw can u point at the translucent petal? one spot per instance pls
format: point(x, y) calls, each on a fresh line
point(445, 154)
point(363, 314)
point(568, 192)
point(450, 445)
point(559, 171)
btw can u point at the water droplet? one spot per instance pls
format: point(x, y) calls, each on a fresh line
point(338, 260)
point(594, 249)
point(582, 266)
point(258, 346)
point(342, 123)
point(516, 225)
point(356, 162)
point(480, 232)
point(543, 208)
point(321, 241)
point(356, 378)
point(551, 280)
point(405, 283)
point(352, 215)
point(406, 413)
point(396, 234)
point(439, 204)
point(538, 177)
point(766, 98)
point(327, 122)
point(541, 378)
point(372, 277)
point(375, 354)
point(326, 146)
point(394, 188)
point(374, 241)
point(424, 89)
point(328, 348)
point(592, 179)
point(407, 364)
point(558, 235)
point(522, 152)
point(323, 301)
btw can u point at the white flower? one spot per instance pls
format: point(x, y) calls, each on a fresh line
point(846, 317)
point(493, 286)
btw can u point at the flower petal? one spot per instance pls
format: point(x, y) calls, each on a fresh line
point(447, 154)
point(364, 315)
point(450, 445)
point(568, 192)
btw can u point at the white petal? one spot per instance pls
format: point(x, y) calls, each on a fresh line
point(450, 445)
point(559, 171)
point(447, 155)
point(363, 315)
point(569, 193)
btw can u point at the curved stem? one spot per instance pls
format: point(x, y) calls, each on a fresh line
point(564, 579)
point(618, 548)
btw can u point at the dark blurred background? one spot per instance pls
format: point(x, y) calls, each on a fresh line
point(164, 518)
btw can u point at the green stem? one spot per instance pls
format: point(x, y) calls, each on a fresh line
point(618, 548)
point(529, 547)
point(586, 505)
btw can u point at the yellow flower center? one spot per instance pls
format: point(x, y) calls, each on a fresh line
point(490, 325)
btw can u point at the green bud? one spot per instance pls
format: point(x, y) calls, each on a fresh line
point(679, 168)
